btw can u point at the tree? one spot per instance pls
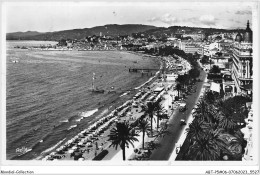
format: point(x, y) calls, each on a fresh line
point(205, 143)
point(225, 115)
point(62, 42)
point(209, 97)
point(149, 109)
point(122, 135)
point(144, 126)
point(205, 149)
point(215, 69)
point(205, 59)
point(204, 112)
point(178, 88)
point(194, 73)
point(194, 132)
point(232, 111)
point(159, 111)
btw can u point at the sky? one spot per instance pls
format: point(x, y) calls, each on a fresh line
point(49, 17)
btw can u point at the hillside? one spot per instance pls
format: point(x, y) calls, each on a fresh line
point(187, 30)
point(18, 35)
point(114, 30)
point(111, 30)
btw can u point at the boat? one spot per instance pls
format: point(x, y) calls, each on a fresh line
point(95, 89)
point(15, 61)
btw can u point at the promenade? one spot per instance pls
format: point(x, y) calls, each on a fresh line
point(175, 130)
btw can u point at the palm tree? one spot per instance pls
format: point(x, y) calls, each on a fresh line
point(204, 112)
point(208, 145)
point(205, 148)
point(209, 97)
point(121, 136)
point(194, 132)
point(225, 114)
point(178, 88)
point(159, 110)
point(144, 126)
point(149, 109)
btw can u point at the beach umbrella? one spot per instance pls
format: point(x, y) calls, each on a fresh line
point(80, 134)
point(53, 153)
point(63, 147)
point(74, 147)
point(71, 151)
point(70, 141)
point(80, 143)
point(58, 149)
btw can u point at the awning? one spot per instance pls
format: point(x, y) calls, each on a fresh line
point(247, 87)
point(215, 87)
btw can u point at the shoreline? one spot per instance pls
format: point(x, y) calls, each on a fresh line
point(103, 111)
point(106, 107)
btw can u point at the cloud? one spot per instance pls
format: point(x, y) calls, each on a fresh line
point(208, 20)
point(169, 19)
point(243, 12)
point(166, 18)
point(233, 20)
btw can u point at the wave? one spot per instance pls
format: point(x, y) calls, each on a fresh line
point(53, 147)
point(88, 113)
point(72, 126)
point(78, 120)
point(123, 94)
point(26, 151)
point(64, 121)
point(102, 113)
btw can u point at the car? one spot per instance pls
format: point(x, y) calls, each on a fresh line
point(182, 107)
point(182, 122)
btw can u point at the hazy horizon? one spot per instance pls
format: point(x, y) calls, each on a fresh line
point(51, 17)
point(131, 24)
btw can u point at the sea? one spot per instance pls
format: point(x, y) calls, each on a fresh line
point(49, 98)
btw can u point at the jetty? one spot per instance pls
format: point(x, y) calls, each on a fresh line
point(142, 70)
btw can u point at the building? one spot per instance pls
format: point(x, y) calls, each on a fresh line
point(242, 65)
point(189, 47)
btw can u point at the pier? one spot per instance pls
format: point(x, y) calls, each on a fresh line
point(146, 71)
point(142, 70)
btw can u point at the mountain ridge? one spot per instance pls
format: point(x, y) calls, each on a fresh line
point(111, 30)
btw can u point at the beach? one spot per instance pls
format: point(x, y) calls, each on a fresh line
point(92, 143)
point(49, 92)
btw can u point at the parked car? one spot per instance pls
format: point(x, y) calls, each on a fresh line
point(182, 122)
point(182, 107)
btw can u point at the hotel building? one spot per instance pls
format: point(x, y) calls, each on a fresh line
point(242, 66)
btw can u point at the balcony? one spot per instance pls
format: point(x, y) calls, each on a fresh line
point(242, 52)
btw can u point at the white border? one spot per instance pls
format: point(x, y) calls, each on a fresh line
point(158, 167)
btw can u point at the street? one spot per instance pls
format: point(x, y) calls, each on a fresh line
point(167, 143)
